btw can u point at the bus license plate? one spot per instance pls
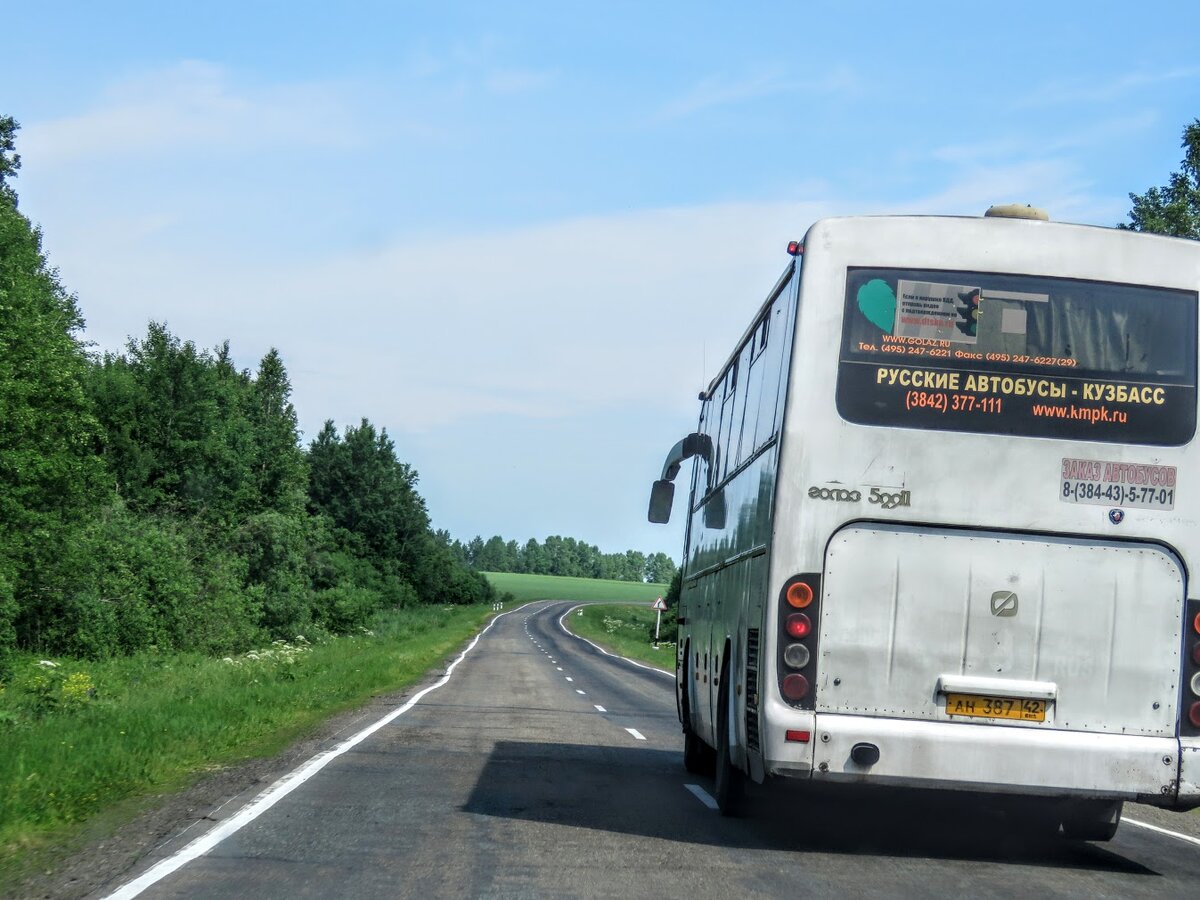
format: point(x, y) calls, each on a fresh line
point(996, 707)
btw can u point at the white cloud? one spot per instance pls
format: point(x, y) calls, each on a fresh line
point(192, 107)
point(1006, 148)
point(537, 322)
point(1079, 90)
point(722, 89)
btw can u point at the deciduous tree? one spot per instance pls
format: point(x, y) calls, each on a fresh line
point(1174, 208)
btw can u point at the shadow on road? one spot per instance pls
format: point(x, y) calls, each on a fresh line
point(641, 792)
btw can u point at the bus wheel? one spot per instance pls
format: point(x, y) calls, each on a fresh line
point(698, 757)
point(730, 780)
point(1092, 820)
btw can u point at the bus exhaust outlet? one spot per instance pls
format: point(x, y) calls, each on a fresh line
point(864, 754)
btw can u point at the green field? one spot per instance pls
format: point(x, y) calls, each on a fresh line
point(81, 738)
point(624, 630)
point(556, 587)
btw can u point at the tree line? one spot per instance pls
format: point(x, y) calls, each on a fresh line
point(160, 496)
point(561, 556)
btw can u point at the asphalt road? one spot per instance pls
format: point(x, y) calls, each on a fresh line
point(544, 768)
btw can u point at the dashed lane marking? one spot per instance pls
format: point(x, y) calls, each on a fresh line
point(637, 734)
point(569, 678)
point(702, 795)
point(599, 708)
point(578, 691)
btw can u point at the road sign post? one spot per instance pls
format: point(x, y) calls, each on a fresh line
point(658, 606)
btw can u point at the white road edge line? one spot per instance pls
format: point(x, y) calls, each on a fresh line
point(632, 662)
point(703, 796)
point(1174, 834)
point(281, 788)
point(637, 734)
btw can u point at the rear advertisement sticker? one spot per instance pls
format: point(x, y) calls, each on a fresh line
point(937, 312)
point(1104, 483)
point(1015, 354)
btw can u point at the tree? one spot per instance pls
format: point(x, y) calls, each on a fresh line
point(358, 482)
point(279, 470)
point(177, 435)
point(10, 160)
point(533, 558)
point(660, 568)
point(1174, 208)
point(51, 477)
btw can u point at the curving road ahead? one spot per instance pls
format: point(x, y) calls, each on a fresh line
point(545, 768)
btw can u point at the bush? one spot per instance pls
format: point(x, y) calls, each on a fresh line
point(274, 547)
point(346, 607)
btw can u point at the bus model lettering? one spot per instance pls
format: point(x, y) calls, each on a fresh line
point(887, 500)
point(840, 494)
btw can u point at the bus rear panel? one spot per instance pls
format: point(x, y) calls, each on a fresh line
point(975, 523)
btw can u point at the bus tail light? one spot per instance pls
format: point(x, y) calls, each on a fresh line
point(795, 687)
point(799, 595)
point(1189, 724)
point(796, 656)
point(798, 626)
point(797, 639)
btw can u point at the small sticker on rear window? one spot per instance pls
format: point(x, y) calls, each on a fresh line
point(1104, 483)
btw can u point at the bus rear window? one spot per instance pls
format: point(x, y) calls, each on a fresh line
point(1018, 355)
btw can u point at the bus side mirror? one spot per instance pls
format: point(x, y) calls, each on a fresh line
point(714, 511)
point(663, 492)
point(661, 496)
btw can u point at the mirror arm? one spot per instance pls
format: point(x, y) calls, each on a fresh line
point(695, 444)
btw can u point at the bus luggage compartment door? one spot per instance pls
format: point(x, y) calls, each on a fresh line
point(991, 628)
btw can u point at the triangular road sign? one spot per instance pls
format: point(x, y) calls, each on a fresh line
point(658, 604)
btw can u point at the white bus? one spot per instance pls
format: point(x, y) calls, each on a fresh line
point(942, 513)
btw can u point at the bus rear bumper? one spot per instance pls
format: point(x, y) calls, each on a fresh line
point(993, 759)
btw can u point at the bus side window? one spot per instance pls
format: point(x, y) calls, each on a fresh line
point(705, 470)
point(730, 427)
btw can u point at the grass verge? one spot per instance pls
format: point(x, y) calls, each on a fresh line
point(78, 738)
point(625, 630)
point(556, 587)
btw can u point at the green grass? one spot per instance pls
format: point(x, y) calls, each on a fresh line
point(625, 630)
point(556, 587)
point(154, 722)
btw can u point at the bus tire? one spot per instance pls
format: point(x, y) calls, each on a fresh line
point(698, 757)
point(730, 781)
point(1092, 820)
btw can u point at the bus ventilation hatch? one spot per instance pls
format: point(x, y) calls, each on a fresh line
point(752, 689)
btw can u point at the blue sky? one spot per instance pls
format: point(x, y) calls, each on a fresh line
point(521, 237)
